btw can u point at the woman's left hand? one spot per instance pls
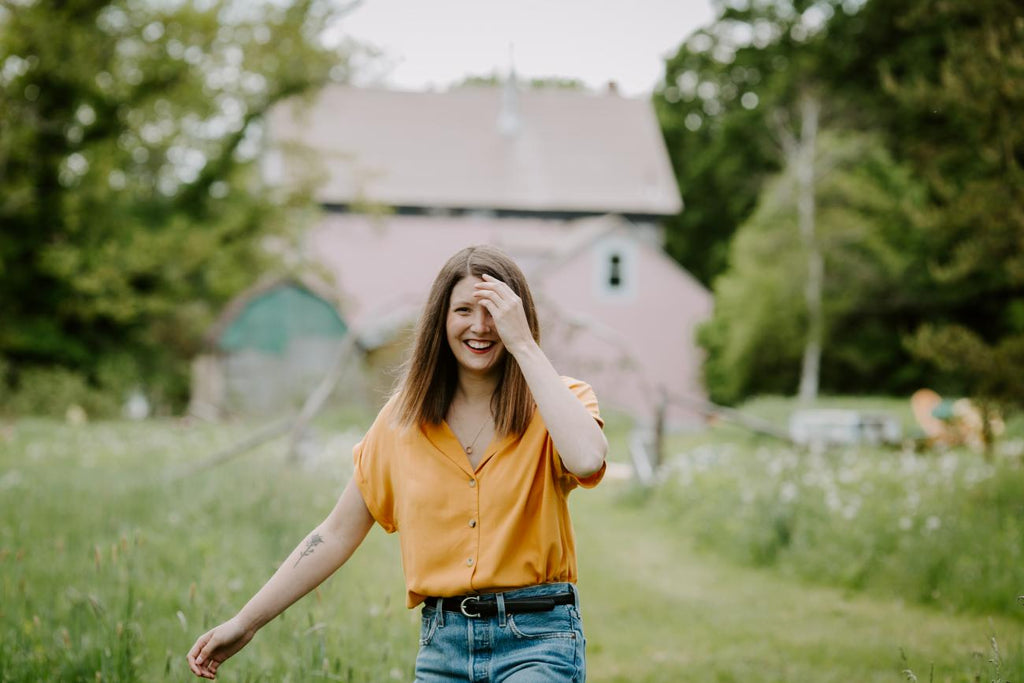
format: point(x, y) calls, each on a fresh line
point(506, 309)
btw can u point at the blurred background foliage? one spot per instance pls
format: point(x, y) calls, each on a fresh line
point(917, 177)
point(129, 195)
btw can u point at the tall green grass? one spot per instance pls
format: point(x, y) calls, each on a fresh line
point(943, 528)
point(111, 568)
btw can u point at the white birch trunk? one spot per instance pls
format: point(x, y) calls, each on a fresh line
point(804, 157)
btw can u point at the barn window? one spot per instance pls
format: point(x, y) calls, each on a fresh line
point(615, 270)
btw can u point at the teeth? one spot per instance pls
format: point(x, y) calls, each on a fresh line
point(479, 345)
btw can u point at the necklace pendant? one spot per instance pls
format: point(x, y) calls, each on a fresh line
point(469, 450)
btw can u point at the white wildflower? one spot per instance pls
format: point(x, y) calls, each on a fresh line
point(847, 475)
point(909, 462)
point(788, 492)
point(948, 464)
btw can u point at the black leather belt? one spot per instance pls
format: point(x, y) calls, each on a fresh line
point(487, 605)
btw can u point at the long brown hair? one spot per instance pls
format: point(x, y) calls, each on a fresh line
point(431, 374)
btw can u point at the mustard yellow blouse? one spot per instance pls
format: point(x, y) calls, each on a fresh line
point(504, 525)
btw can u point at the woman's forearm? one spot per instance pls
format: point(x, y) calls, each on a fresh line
point(577, 436)
point(315, 558)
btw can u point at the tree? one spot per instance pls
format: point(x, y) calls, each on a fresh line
point(941, 87)
point(129, 195)
point(865, 239)
point(715, 104)
point(755, 72)
point(801, 154)
point(972, 154)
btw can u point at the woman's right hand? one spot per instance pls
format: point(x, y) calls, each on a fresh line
point(216, 645)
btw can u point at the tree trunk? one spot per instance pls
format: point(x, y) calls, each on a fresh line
point(804, 158)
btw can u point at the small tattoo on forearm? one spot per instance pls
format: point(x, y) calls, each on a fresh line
point(311, 543)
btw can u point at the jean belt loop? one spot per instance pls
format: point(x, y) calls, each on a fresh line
point(500, 599)
point(440, 612)
point(575, 592)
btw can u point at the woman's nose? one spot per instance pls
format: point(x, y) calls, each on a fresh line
point(481, 320)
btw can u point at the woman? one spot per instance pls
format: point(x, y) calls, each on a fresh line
point(471, 461)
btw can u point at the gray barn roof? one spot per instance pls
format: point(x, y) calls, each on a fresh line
point(540, 151)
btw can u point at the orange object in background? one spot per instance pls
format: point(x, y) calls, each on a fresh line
point(923, 404)
point(952, 423)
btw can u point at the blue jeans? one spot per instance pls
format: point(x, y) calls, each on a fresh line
point(536, 647)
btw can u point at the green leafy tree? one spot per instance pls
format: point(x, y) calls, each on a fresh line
point(865, 204)
point(751, 80)
point(720, 93)
point(972, 154)
point(130, 204)
point(938, 85)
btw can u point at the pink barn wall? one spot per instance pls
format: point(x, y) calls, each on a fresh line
point(385, 266)
point(628, 344)
point(650, 323)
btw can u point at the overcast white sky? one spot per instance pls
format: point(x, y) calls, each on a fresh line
point(433, 43)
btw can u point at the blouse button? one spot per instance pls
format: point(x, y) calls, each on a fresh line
point(472, 483)
point(472, 523)
point(469, 562)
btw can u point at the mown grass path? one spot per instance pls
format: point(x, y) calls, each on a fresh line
point(656, 609)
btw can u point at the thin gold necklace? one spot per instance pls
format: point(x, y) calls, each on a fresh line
point(469, 448)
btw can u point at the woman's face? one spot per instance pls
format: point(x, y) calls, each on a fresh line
point(471, 333)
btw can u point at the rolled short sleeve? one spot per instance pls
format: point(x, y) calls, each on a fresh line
point(372, 473)
point(588, 398)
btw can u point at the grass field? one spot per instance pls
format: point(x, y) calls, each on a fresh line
point(110, 567)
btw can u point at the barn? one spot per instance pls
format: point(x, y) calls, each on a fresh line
point(574, 185)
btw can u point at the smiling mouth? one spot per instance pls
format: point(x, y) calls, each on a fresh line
point(478, 345)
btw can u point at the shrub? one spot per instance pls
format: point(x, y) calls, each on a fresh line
point(52, 391)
